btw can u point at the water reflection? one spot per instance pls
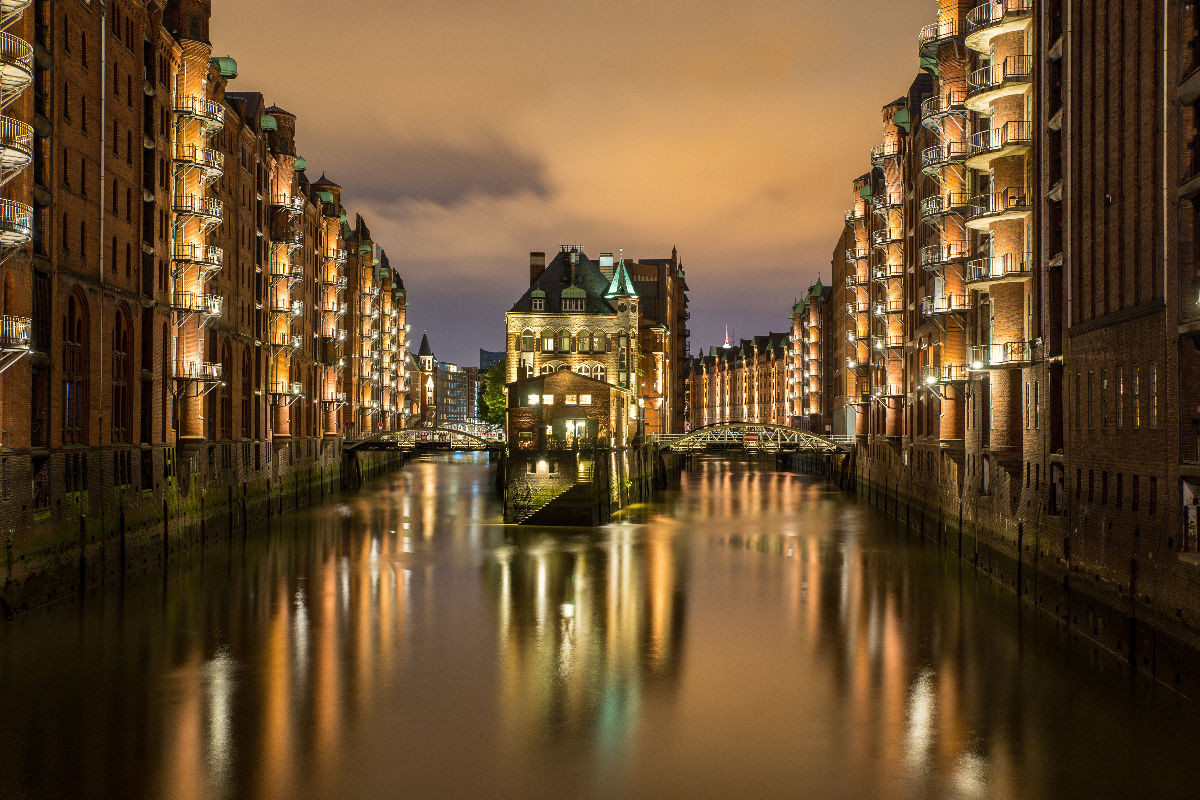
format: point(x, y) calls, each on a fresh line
point(752, 634)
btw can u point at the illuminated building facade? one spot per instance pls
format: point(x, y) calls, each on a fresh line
point(175, 288)
point(749, 382)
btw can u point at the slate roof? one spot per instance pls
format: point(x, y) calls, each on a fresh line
point(425, 350)
point(554, 279)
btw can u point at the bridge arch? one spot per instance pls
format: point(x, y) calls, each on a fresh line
point(753, 436)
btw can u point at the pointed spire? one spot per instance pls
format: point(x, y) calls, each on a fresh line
point(425, 350)
point(621, 285)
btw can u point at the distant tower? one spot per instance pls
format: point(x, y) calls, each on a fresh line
point(728, 341)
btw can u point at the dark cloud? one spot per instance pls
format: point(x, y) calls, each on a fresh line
point(390, 171)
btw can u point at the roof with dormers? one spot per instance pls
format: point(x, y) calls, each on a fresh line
point(558, 276)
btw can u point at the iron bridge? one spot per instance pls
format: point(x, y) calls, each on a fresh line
point(753, 436)
point(451, 436)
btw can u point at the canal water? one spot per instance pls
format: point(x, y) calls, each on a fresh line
point(752, 634)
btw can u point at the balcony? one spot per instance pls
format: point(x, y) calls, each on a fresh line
point(210, 114)
point(1009, 77)
point(855, 214)
point(283, 269)
point(209, 259)
point(335, 399)
point(1008, 355)
point(936, 257)
point(888, 390)
point(885, 307)
point(284, 392)
point(285, 305)
point(283, 340)
point(210, 305)
point(15, 333)
point(16, 223)
point(853, 309)
point(292, 239)
point(884, 202)
point(938, 374)
point(886, 237)
point(856, 365)
point(983, 272)
point(199, 371)
point(292, 204)
point(942, 205)
point(951, 102)
point(934, 159)
point(882, 153)
point(1006, 204)
point(16, 144)
point(855, 335)
point(16, 65)
point(336, 256)
point(209, 161)
point(931, 37)
point(945, 304)
point(855, 253)
point(208, 209)
point(1013, 138)
point(891, 341)
point(887, 272)
point(337, 309)
point(853, 281)
point(995, 18)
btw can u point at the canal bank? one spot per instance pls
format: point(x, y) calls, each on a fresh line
point(1143, 621)
point(137, 534)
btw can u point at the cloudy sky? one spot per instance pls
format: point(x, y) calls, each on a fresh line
point(469, 132)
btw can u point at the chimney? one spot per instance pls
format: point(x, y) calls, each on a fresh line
point(606, 265)
point(537, 264)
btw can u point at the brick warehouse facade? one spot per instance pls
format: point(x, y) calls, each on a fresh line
point(187, 316)
point(1019, 342)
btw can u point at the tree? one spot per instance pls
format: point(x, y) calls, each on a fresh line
point(491, 395)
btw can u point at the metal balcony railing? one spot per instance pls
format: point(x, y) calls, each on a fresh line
point(337, 256)
point(15, 332)
point(16, 65)
point(16, 222)
point(1010, 70)
point(207, 111)
point(996, 12)
point(945, 304)
point(198, 205)
point(204, 255)
point(205, 158)
point(279, 267)
point(888, 341)
point(940, 205)
point(940, 155)
point(880, 153)
point(934, 35)
point(884, 202)
point(1001, 202)
point(16, 145)
point(855, 253)
point(996, 268)
point(890, 306)
point(283, 339)
point(932, 374)
point(1000, 356)
point(854, 280)
point(884, 237)
point(855, 214)
point(1014, 133)
point(951, 100)
point(936, 256)
point(857, 307)
point(887, 272)
point(198, 303)
point(201, 371)
point(284, 305)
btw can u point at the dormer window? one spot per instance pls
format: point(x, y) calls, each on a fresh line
point(572, 304)
point(539, 304)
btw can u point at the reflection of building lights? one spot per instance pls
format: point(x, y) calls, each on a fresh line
point(568, 610)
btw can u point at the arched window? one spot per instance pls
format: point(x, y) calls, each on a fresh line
point(599, 342)
point(564, 341)
point(583, 341)
point(122, 409)
point(247, 392)
point(547, 341)
point(227, 391)
point(75, 363)
point(584, 369)
point(547, 369)
point(527, 340)
point(599, 372)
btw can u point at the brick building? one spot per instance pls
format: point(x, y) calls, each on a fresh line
point(1022, 320)
point(747, 382)
point(183, 319)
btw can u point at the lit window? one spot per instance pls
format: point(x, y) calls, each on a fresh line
point(533, 399)
point(547, 399)
point(571, 400)
point(585, 399)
